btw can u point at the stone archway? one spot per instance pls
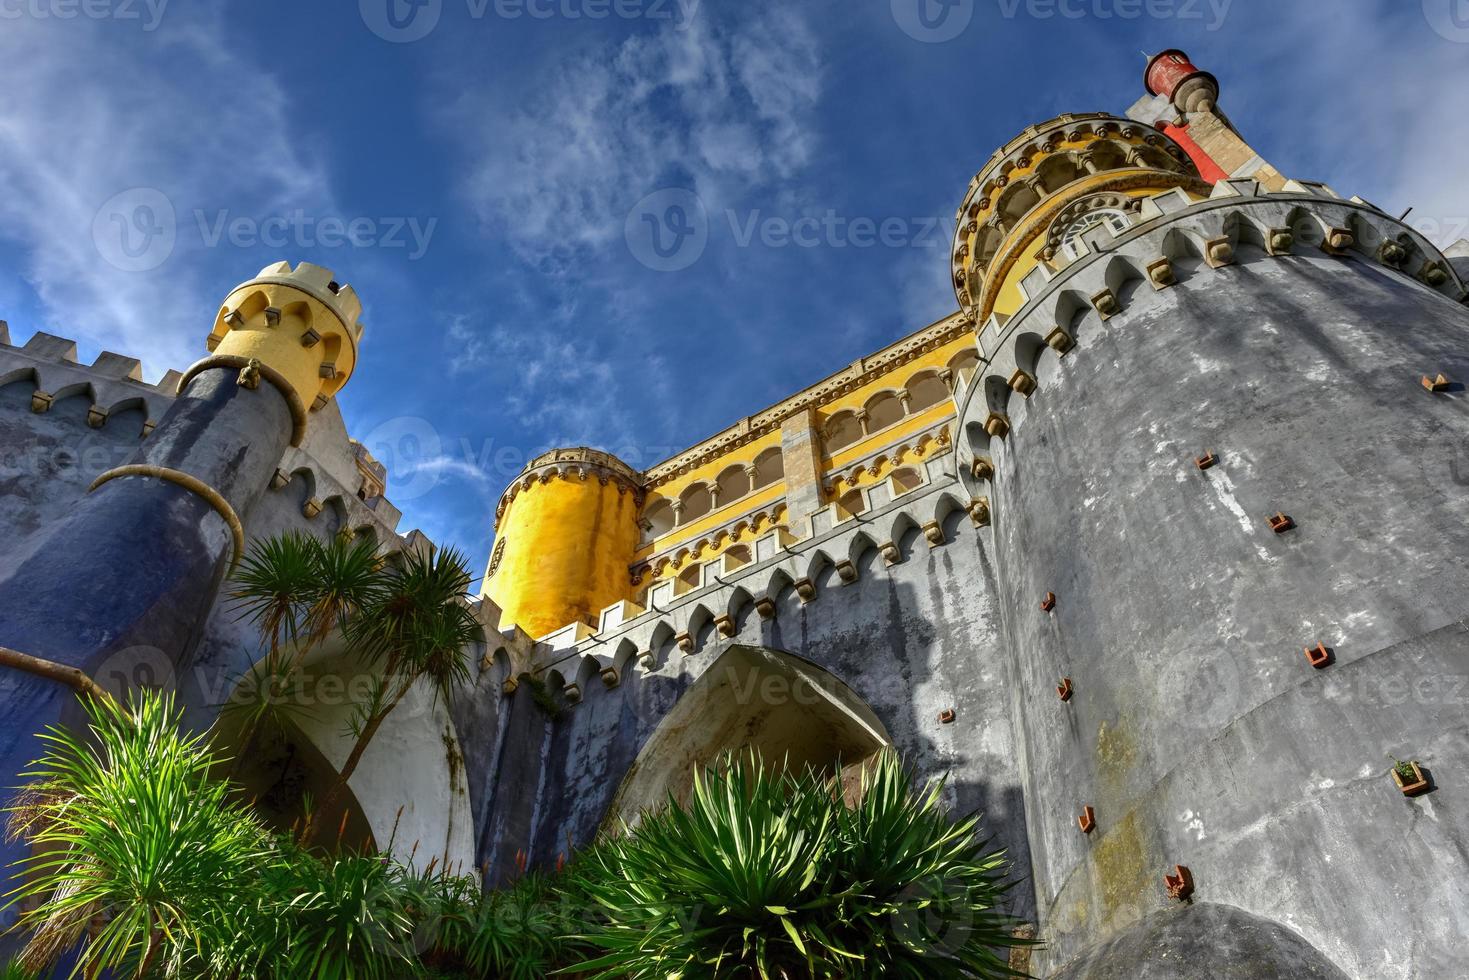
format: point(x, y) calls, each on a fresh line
point(284, 769)
point(786, 708)
point(409, 794)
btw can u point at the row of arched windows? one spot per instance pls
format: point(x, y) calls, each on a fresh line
point(698, 499)
point(919, 393)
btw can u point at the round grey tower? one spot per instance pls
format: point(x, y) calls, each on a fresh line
point(1226, 446)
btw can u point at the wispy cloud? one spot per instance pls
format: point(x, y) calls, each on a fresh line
point(1363, 95)
point(719, 107)
point(725, 107)
point(97, 108)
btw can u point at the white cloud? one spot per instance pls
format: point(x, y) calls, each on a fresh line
point(1367, 96)
point(96, 108)
point(731, 106)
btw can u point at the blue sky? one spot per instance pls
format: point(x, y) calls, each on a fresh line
point(496, 172)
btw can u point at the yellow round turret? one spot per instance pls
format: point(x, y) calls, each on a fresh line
point(297, 322)
point(1040, 192)
point(566, 532)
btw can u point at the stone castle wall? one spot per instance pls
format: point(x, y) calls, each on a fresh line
point(1198, 730)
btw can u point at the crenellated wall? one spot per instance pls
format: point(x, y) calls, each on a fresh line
point(62, 423)
point(896, 604)
point(1286, 336)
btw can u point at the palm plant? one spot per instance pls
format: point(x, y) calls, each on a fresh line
point(417, 626)
point(347, 917)
point(406, 622)
point(770, 875)
point(298, 590)
point(132, 844)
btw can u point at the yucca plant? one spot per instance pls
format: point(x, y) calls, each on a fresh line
point(528, 930)
point(134, 849)
point(347, 917)
point(418, 625)
point(298, 590)
point(770, 875)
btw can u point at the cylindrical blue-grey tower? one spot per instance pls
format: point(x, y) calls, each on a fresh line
point(1226, 444)
point(138, 564)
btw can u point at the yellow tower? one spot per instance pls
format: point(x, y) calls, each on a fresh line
point(301, 327)
point(566, 531)
point(1032, 204)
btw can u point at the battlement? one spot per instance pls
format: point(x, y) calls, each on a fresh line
point(331, 472)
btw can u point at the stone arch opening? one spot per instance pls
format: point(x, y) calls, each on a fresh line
point(789, 710)
point(282, 770)
point(409, 789)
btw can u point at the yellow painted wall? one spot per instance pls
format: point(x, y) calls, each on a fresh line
point(568, 543)
point(704, 529)
point(1009, 299)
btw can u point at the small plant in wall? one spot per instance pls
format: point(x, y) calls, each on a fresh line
point(1409, 777)
point(541, 694)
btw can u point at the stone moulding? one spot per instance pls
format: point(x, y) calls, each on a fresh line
point(195, 486)
point(759, 584)
point(1213, 229)
point(578, 463)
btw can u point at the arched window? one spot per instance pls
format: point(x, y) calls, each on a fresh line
point(1071, 242)
point(925, 392)
point(657, 518)
point(736, 556)
point(851, 504)
point(688, 580)
point(964, 363)
point(696, 503)
point(842, 430)
point(883, 410)
point(769, 467)
point(733, 484)
point(904, 480)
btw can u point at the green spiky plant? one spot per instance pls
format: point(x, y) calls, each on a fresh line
point(417, 626)
point(528, 930)
point(298, 591)
point(343, 917)
point(405, 622)
point(772, 875)
point(131, 844)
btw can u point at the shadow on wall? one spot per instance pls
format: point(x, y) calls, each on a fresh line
point(793, 714)
point(1202, 941)
point(885, 654)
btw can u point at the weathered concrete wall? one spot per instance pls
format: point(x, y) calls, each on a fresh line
point(1198, 730)
point(47, 462)
point(910, 639)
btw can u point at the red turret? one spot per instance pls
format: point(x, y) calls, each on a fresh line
point(1171, 74)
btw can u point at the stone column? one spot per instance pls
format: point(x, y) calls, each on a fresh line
point(800, 448)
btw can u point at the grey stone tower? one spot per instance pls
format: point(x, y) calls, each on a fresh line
point(1224, 442)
